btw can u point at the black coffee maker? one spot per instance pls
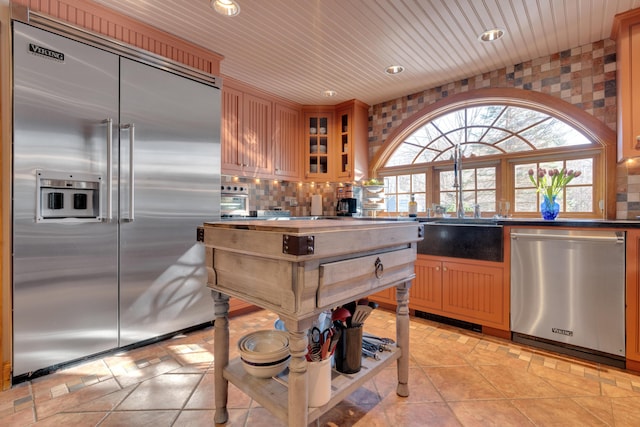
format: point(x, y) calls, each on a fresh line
point(347, 206)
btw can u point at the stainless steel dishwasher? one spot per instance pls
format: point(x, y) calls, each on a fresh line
point(568, 291)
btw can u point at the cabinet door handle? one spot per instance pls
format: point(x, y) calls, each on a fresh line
point(131, 127)
point(444, 268)
point(109, 123)
point(437, 268)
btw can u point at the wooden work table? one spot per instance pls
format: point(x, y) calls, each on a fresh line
point(298, 269)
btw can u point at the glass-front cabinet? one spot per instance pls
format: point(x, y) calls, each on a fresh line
point(318, 131)
point(352, 145)
point(343, 149)
point(336, 142)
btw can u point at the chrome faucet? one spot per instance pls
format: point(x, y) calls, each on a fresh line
point(457, 179)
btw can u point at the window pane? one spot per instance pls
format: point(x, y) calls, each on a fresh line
point(403, 202)
point(391, 203)
point(468, 179)
point(450, 121)
point(585, 166)
point(422, 202)
point(522, 175)
point(448, 200)
point(579, 199)
point(390, 184)
point(403, 155)
point(446, 180)
point(487, 201)
point(526, 201)
point(418, 184)
point(513, 145)
point(404, 183)
point(486, 178)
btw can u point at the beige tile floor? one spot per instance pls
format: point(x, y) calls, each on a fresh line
point(457, 378)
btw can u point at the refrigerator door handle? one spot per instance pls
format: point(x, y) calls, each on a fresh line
point(132, 138)
point(109, 217)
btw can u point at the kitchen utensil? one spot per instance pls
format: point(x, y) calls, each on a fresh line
point(340, 314)
point(351, 307)
point(334, 339)
point(360, 315)
point(382, 340)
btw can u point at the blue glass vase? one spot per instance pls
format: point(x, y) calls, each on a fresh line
point(549, 208)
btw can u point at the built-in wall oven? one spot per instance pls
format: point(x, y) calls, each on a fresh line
point(234, 201)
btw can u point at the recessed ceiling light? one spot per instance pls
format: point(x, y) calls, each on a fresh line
point(329, 93)
point(491, 35)
point(226, 7)
point(394, 69)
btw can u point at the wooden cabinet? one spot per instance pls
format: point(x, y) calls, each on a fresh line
point(386, 298)
point(246, 133)
point(265, 136)
point(426, 292)
point(633, 300)
point(462, 289)
point(351, 147)
point(626, 33)
point(336, 139)
point(318, 129)
point(474, 291)
point(287, 155)
point(231, 132)
point(260, 134)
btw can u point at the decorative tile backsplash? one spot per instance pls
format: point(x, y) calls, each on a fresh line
point(584, 76)
point(292, 196)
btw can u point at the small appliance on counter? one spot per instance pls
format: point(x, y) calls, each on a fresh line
point(349, 203)
point(347, 206)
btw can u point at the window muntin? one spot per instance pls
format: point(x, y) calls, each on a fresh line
point(515, 134)
point(478, 188)
point(398, 190)
point(485, 130)
point(576, 197)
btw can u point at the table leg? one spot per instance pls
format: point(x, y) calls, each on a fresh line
point(221, 355)
point(298, 377)
point(402, 334)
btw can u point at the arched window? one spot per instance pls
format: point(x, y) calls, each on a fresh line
point(502, 134)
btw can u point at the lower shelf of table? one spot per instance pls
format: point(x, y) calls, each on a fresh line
point(272, 393)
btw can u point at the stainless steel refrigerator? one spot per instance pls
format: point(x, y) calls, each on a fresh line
point(115, 164)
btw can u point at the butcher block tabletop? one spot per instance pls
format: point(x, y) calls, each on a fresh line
point(301, 225)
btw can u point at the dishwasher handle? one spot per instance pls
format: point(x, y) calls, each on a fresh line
point(619, 237)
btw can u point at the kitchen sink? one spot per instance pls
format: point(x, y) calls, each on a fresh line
point(469, 238)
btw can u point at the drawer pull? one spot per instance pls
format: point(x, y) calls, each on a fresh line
point(379, 268)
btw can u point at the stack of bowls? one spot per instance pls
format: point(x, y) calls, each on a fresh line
point(264, 354)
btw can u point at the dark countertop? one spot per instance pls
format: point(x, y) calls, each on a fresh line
point(531, 222)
